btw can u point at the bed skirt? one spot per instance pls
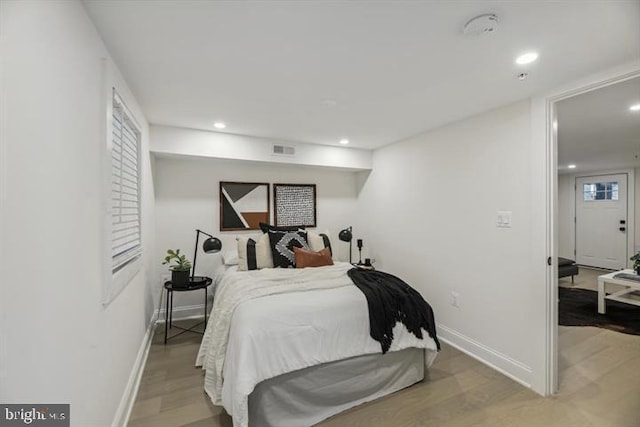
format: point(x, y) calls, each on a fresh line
point(308, 396)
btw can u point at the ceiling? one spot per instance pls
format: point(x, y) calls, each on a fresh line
point(374, 72)
point(597, 131)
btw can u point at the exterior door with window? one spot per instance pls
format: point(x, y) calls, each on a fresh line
point(601, 221)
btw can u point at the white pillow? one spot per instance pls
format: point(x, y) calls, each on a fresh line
point(230, 258)
point(317, 242)
point(263, 252)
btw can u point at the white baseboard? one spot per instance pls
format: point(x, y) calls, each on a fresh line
point(183, 313)
point(131, 391)
point(502, 363)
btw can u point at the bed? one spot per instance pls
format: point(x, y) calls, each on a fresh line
point(291, 347)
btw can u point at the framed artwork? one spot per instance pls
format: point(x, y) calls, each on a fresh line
point(243, 205)
point(294, 204)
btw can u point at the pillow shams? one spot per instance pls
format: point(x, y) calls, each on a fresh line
point(254, 253)
point(230, 258)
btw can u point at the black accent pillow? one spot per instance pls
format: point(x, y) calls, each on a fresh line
point(327, 242)
point(266, 227)
point(282, 244)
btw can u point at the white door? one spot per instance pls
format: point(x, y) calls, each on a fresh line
point(601, 221)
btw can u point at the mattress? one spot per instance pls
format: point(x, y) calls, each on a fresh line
point(282, 321)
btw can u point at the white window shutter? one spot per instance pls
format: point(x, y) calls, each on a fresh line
point(126, 242)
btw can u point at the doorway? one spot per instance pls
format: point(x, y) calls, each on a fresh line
point(621, 158)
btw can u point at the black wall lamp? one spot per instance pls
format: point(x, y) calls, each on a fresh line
point(209, 246)
point(346, 235)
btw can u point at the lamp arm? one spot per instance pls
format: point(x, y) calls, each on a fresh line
point(351, 245)
point(204, 232)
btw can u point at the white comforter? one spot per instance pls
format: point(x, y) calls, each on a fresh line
point(269, 322)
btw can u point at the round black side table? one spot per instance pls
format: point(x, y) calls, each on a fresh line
point(196, 282)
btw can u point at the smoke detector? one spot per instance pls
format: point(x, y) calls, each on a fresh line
point(482, 24)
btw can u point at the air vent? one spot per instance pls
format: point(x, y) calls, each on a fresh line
point(283, 150)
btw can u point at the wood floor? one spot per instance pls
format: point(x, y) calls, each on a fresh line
point(599, 386)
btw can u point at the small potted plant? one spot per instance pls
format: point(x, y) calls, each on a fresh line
point(636, 262)
point(180, 270)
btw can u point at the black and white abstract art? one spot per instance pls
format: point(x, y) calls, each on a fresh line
point(243, 205)
point(294, 204)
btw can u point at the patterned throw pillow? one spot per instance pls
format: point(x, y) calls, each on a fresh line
point(266, 227)
point(282, 244)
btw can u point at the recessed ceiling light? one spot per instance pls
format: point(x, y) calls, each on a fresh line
point(527, 58)
point(571, 166)
point(219, 125)
point(344, 141)
point(635, 107)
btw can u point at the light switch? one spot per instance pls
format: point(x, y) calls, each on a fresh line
point(504, 219)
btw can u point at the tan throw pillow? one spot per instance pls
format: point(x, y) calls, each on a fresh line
point(254, 253)
point(320, 241)
point(308, 258)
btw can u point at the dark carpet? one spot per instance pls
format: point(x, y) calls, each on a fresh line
point(579, 307)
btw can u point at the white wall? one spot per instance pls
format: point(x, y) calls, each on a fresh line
point(59, 343)
point(431, 204)
point(566, 213)
point(636, 247)
point(191, 142)
point(187, 197)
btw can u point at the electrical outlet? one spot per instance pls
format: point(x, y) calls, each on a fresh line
point(455, 299)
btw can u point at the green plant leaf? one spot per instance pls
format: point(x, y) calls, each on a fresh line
point(181, 261)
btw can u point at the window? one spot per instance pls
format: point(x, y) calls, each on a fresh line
point(126, 242)
point(600, 191)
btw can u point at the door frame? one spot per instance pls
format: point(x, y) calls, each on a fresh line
point(544, 163)
point(631, 207)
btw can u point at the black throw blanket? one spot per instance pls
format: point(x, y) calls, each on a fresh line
point(391, 300)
